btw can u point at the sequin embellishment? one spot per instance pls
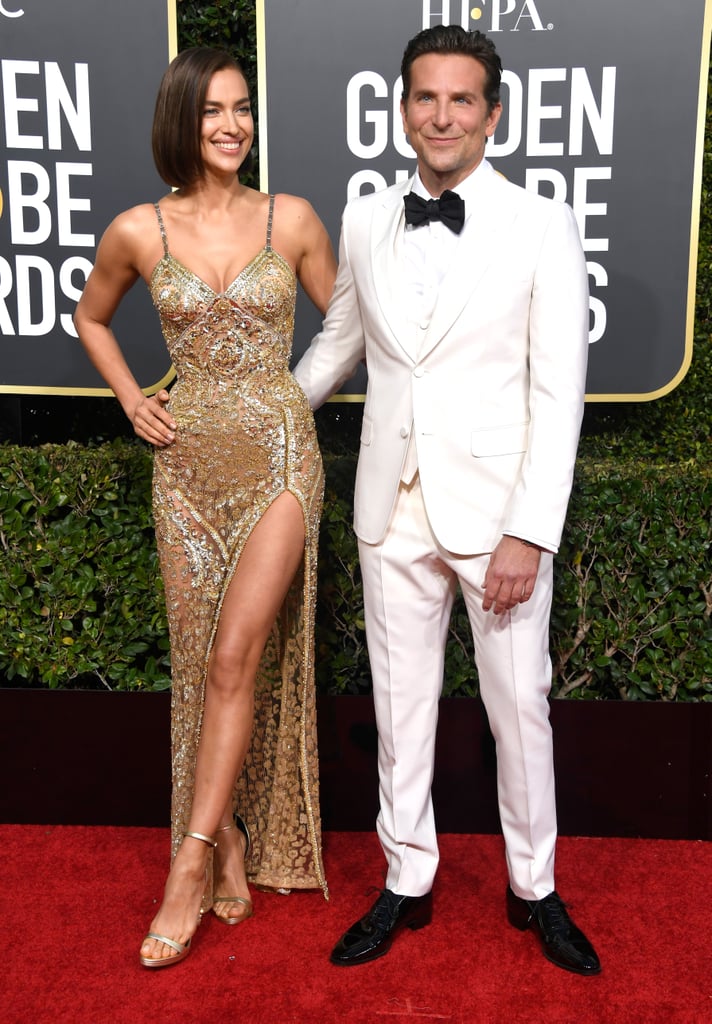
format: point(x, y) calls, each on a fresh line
point(245, 434)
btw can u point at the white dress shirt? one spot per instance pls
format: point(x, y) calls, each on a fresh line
point(427, 252)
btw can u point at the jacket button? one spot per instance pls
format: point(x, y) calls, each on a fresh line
point(404, 432)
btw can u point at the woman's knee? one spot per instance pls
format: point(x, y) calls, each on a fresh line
point(231, 670)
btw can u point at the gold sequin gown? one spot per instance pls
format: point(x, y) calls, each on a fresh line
point(245, 434)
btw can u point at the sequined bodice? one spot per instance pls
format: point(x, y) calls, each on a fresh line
point(247, 327)
point(231, 353)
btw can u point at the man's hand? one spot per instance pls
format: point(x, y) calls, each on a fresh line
point(152, 422)
point(511, 575)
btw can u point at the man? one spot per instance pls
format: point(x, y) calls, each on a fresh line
point(475, 339)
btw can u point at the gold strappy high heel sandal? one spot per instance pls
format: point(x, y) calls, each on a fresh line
point(182, 948)
point(239, 826)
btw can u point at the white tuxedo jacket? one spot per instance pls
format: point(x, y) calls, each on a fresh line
point(492, 389)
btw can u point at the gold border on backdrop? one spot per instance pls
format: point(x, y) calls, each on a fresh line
point(702, 102)
point(262, 93)
point(172, 22)
point(695, 203)
point(172, 29)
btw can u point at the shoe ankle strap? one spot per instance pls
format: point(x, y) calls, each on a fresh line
point(209, 840)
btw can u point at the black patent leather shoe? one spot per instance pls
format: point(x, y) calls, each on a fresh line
point(561, 941)
point(373, 935)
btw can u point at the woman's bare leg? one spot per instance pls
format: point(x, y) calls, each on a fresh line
point(266, 569)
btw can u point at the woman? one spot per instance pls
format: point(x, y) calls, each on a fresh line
point(236, 495)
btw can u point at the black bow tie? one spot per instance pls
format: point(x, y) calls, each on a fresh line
point(449, 208)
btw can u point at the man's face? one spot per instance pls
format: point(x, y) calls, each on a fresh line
point(447, 118)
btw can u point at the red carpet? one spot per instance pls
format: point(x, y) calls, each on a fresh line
point(75, 903)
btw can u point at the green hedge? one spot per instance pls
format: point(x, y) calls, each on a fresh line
point(632, 612)
point(80, 596)
point(81, 602)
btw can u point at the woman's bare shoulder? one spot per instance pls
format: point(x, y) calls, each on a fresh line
point(132, 238)
point(295, 207)
point(135, 222)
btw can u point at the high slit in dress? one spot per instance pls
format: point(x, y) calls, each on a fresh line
point(245, 435)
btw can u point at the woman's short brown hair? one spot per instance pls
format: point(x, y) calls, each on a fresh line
point(179, 113)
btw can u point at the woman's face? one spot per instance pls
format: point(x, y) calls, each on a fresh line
point(227, 129)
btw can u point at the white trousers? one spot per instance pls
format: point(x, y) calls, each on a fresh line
point(409, 587)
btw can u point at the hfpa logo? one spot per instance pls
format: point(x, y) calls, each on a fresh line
point(7, 12)
point(498, 15)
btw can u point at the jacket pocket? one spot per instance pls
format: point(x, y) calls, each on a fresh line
point(509, 440)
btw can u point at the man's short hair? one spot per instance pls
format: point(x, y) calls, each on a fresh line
point(447, 39)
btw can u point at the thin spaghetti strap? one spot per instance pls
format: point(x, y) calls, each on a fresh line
point(163, 230)
point(268, 243)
